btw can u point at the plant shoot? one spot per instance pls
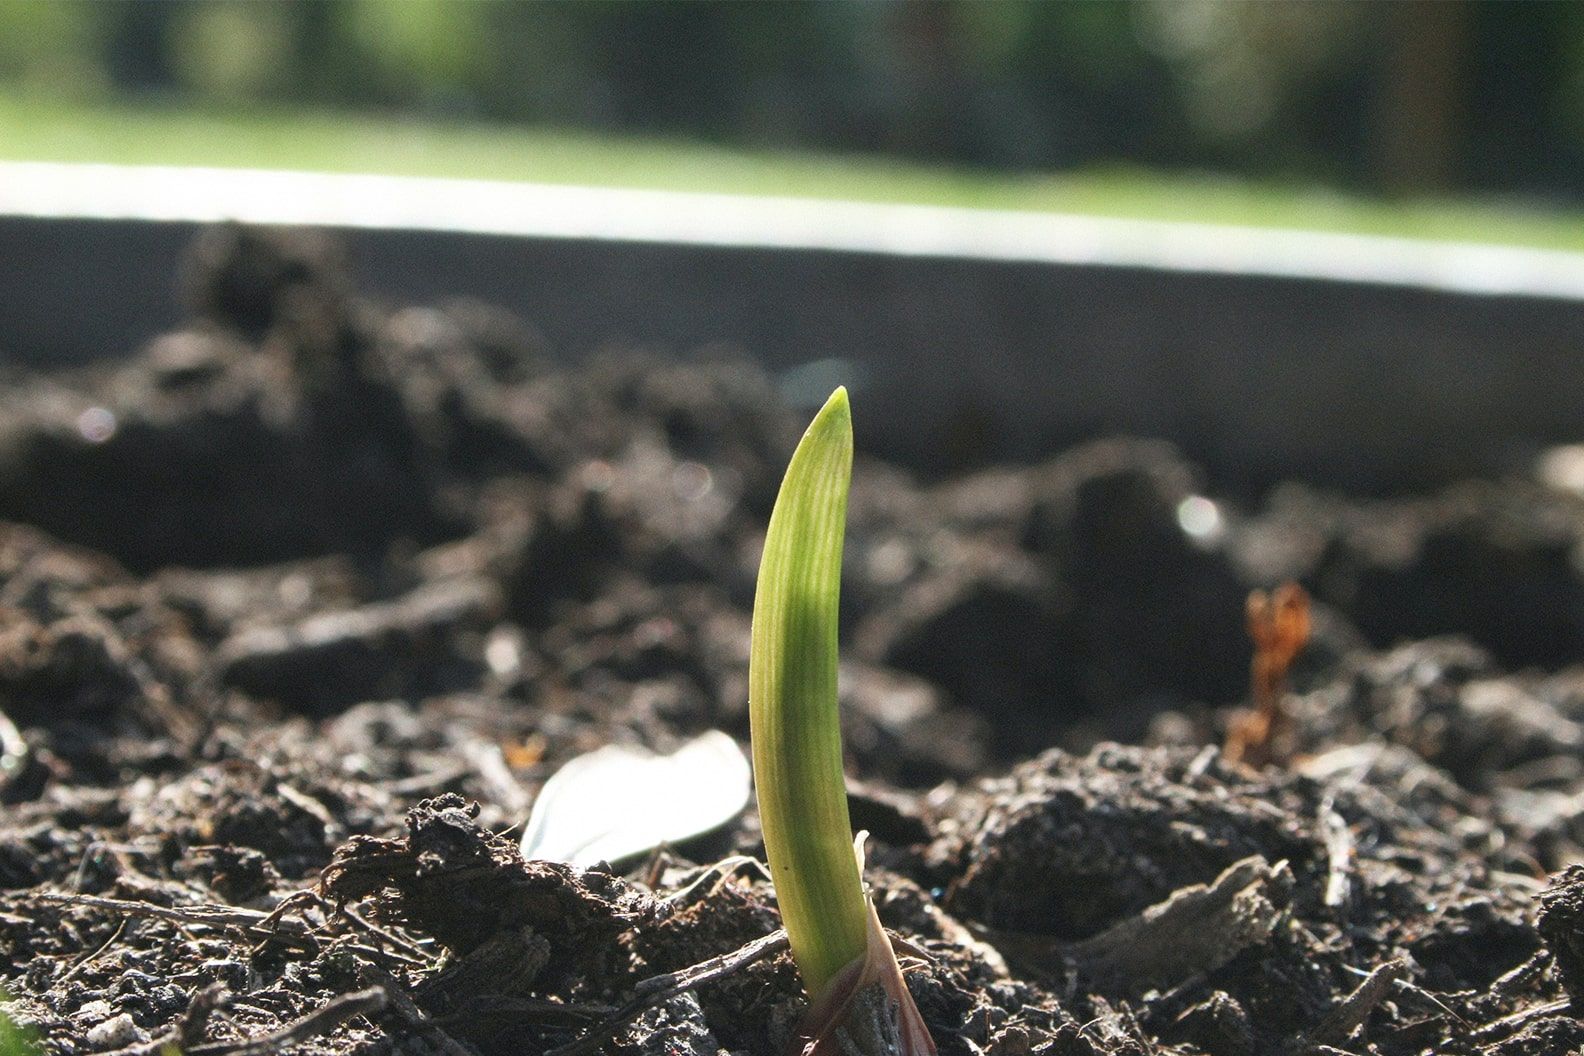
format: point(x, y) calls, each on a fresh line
point(849, 969)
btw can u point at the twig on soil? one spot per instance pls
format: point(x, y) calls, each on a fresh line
point(414, 954)
point(84, 962)
point(1351, 1011)
point(288, 903)
point(320, 1021)
point(271, 926)
point(211, 915)
point(1409, 986)
point(1339, 855)
point(659, 988)
point(1201, 762)
point(1507, 1024)
point(1515, 979)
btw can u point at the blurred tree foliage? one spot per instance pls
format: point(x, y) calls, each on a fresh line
point(1409, 96)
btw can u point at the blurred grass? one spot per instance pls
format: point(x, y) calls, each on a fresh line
point(39, 130)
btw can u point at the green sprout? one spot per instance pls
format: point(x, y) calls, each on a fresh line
point(848, 966)
point(15, 1039)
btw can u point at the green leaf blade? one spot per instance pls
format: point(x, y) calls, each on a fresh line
point(792, 704)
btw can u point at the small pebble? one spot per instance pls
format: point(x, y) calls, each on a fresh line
point(116, 1033)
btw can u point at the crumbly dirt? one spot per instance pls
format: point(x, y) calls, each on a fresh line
point(301, 605)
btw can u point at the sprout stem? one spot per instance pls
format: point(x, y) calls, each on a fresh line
point(858, 1001)
point(792, 706)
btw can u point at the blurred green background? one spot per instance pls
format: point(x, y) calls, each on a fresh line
point(1446, 119)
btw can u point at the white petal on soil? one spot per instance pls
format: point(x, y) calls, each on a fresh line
point(619, 801)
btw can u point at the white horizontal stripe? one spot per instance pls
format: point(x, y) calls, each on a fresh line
point(45, 189)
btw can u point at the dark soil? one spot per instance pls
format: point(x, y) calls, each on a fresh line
point(299, 607)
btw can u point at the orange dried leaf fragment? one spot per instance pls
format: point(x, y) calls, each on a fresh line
point(1279, 625)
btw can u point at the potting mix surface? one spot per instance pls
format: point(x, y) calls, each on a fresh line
point(302, 604)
